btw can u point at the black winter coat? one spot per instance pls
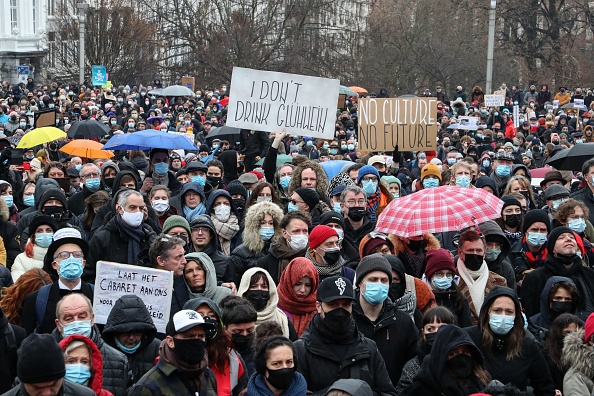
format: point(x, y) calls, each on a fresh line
point(5, 277)
point(8, 354)
point(8, 232)
point(585, 195)
point(242, 259)
point(68, 389)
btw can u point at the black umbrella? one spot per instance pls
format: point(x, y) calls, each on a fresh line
point(572, 158)
point(223, 131)
point(88, 129)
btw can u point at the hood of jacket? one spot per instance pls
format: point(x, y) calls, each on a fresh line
point(430, 243)
point(545, 310)
point(251, 231)
point(194, 303)
point(129, 313)
point(193, 187)
point(352, 386)
point(577, 355)
point(244, 285)
point(448, 338)
point(205, 221)
point(487, 181)
point(521, 166)
point(501, 291)
point(42, 185)
point(96, 380)
point(210, 284)
point(493, 233)
point(322, 182)
point(213, 196)
point(118, 179)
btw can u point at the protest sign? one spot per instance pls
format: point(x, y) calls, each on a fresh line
point(153, 286)
point(494, 100)
point(579, 103)
point(189, 82)
point(468, 123)
point(189, 136)
point(516, 116)
point(410, 123)
point(99, 75)
point(272, 101)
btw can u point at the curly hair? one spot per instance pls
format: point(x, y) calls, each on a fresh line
point(254, 215)
point(322, 177)
point(567, 208)
point(13, 297)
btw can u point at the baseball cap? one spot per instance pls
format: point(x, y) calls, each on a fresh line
point(334, 288)
point(376, 159)
point(185, 320)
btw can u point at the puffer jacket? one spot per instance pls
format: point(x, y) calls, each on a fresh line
point(579, 357)
point(22, 263)
point(116, 375)
point(68, 389)
point(221, 262)
point(129, 313)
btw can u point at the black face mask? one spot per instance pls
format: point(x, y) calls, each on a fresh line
point(239, 204)
point(281, 379)
point(241, 342)
point(513, 220)
point(189, 351)
point(54, 212)
point(566, 258)
point(460, 365)
point(214, 181)
point(446, 144)
point(337, 320)
point(430, 339)
point(382, 174)
point(415, 245)
point(332, 257)
point(524, 194)
point(561, 307)
point(53, 146)
point(109, 181)
point(473, 261)
point(357, 213)
point(258, 298)
point(397, 289)
point(211, 333)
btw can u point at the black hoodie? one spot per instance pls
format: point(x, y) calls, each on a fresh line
point(8, 356)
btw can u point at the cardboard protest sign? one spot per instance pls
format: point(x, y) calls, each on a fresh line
point(494, 100)
point(153, 286)
point(410, 123)
point(272, 101)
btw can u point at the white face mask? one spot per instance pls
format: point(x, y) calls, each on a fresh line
point(299, 242)
point(133, 219)
point(161, 205)
point(223, 212)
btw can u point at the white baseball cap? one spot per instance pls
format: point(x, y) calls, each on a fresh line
point(185, 320)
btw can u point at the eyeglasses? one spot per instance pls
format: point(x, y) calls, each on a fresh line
point(64, 255)
point(360, 202)
point(199, 230)
point(91, 176)
point(440, 275)
point(369, 178)
point(294, 202)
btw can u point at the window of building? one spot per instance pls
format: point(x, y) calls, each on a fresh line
point(13, 15)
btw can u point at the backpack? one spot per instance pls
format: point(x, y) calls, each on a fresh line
point(41, 304)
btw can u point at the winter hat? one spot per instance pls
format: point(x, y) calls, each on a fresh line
point(309, 196)
point(42, 220)
point(534, 216)
point(429, 169)
point(366, 170)
point(436, 260)
point(332, 217)
point(374, 262)
point(40, 359)
point(319, 234)
point(176, 221)
point(35, 163)
point(203, 148)
point(554, 235)
point(508, 200)
point(375, 240)
point(589, 327)
point(236, 187)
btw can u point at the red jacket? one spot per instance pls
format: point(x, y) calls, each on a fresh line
point(510, 129)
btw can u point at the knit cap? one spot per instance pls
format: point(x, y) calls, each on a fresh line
point(374, 262)
point(554, 235)
point(176, 221)
point(236, 187)
point(366, 170)
point(437, 260)
point(40, 359)
point(309, 196)
point(430, 170)
point(535, 216)
point(508, 200)
point(319, 234)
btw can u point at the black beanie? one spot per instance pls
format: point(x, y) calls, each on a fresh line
point(535, 216)
point(236, 187)
point(508, 200)
point(40, 359)
point(309, 196)
point(373, 262)
point(554, 235)
point(332, 217)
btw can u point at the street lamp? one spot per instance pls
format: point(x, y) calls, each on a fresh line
point(490, 47)
point(82, 17)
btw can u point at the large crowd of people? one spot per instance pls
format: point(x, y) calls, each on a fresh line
point(282, 283)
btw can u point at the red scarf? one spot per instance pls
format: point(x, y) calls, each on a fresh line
point(535, 260)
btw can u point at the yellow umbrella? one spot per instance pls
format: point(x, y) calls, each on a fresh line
point(39, 136)
point(87, 149)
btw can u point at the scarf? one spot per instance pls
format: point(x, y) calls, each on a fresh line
point(332, 335)
point(188, 371)
point(325, 270)
point(257, 386)
point(416, 260)
point(284, 253)
point(302, 309)
point(134, 237)
point(407, 303)
point(226, 231)
point(189, 214)
point(536, 259)
point(161, 180)
point(476, 282)
point(373, 201)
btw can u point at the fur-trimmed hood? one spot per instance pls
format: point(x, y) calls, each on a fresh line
point(251, 231)
point(4, 211)
point(431, 243)
point(322, 186)
point(577, 355)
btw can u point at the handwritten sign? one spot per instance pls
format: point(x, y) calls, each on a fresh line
point(494, 100)
point(468, 123)
point(189, 136)
point(579, 103)
point(410, 123)
point(272, 101)
point(153, 286)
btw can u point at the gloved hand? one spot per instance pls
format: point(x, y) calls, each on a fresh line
point(396, 156)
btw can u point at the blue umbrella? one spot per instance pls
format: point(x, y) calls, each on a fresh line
point(149, 139)
point(334, 166)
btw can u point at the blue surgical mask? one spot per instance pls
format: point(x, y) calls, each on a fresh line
point(430, 183)
point(442, 283)
point(536, 238)
point(161, 168)
point(340, 234)
point(78, 167)
point(451, 161)
point(29, 201)
point(558, 202)
point(395, 195)
point(266, 233)
point(463, 181)
point(22, 124)
point(343, 147)
point(525, 321)
point(77, 373)
point(503, 170)
point(375, 293)
point(131, 125)
point(501, 324)
point(351, 147)
point(369, 186)
point(486, 164)
point(44, 239)
point(9, 200)
point(125, 349)
point(113, 122)
point(336, 207)
point(333, 151)
point(80, 327)
point(325, 146)
point(492, 254)
point(578, 141)
point(291, 207)
point(199, 179)
point(309, 143)
point(93, 184)
point(285, 181)
point(577, 225)
point(71, 268)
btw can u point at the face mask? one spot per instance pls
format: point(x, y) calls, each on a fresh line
point(78, 167)
point(502, 170)
point(336, 207)
point(9, 200)
point(125, 349)
point(331, 256)
point(298, 242)
point(93, 184)
point(343, 147)
point(333, 151)
point(161, 206)
point(167, 123)
point(512, 220)
point(375, 293)
point(501, 324)
point(292, 207)
point(131, 125)
point(133, 219)
point(460, 365)
point(463, 181)
point(496, 114)
point(29, 201)
point(281, 378)
point(492, 254)
point(442, 283)
point(473, 261)
point(430, 339)
point(309, 143)
point(357, 213)
point(161, 168)
point(29, 157)
point(558, 202)
point(263, 199)
point(71, 268)
point(577, 225)
point(243, 342)
point(199, 179)
point(430, 183)
point(351, 147)
point(536, 238)
point(578, 141)
point(44, 239)
point(284, 181)
point(337, 319)
point(397, 289)
point(77, 373)
point(258, 298)
point(211, 333)
point(266, 233)
point(22, 124)
point(561, 307)
point(369, 186)
point(239, 203)
point(395, 195)
point(451, 161)
point(325, 146)
point(81, 327)
point(190, 351)
point(187, 122)
point(223, 212)
point(340, 234)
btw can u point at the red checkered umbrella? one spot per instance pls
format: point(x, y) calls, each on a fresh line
point(432, 210)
